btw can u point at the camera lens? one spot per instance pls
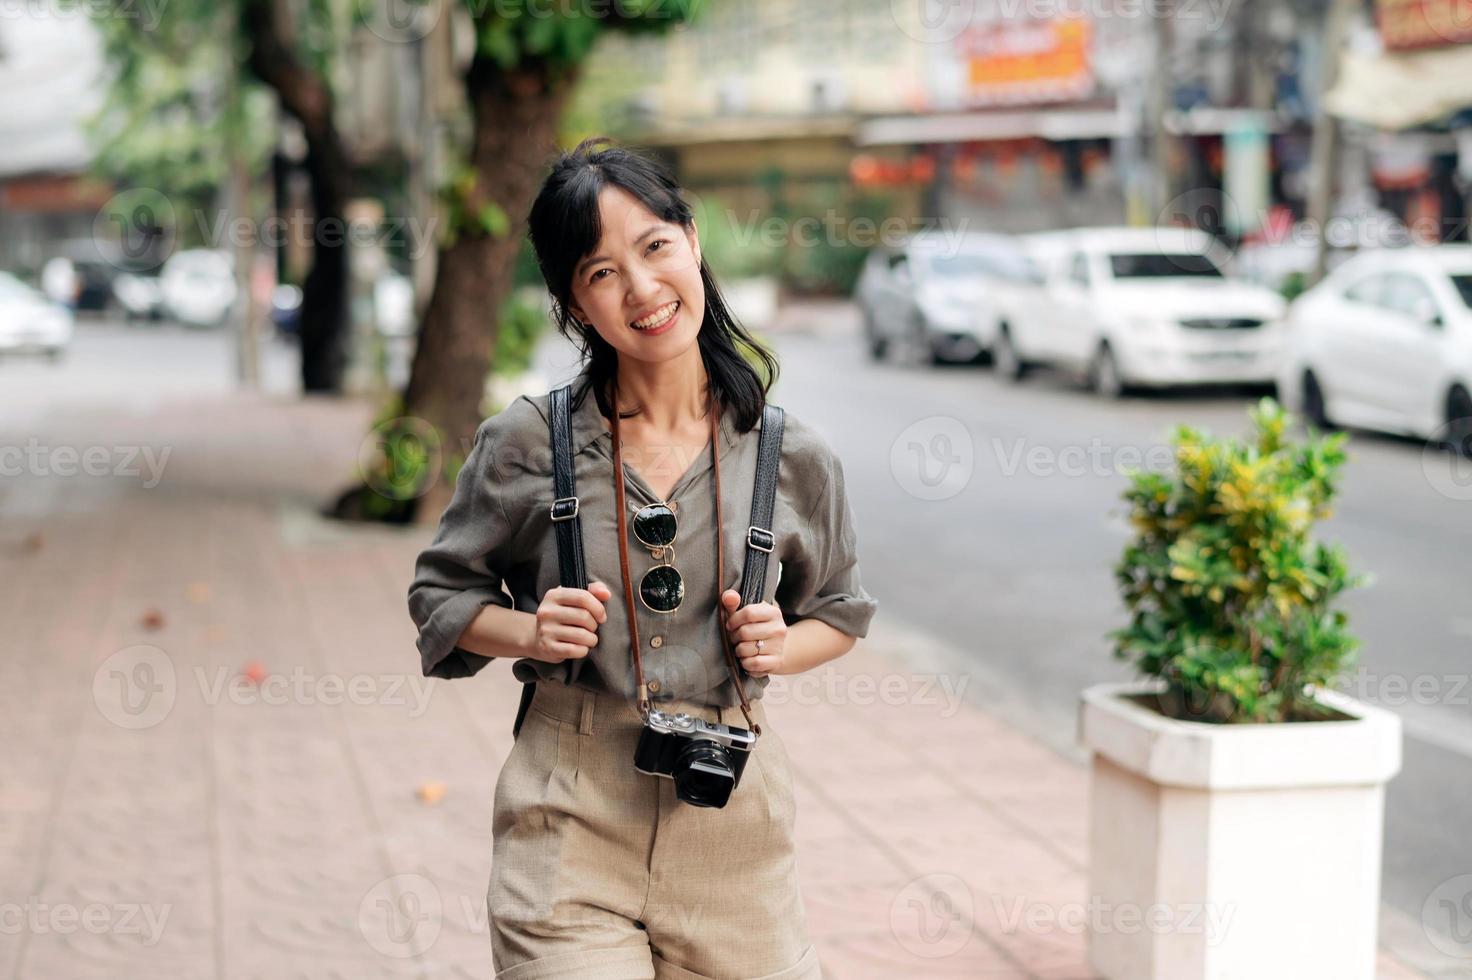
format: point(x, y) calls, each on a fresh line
point(703, 773)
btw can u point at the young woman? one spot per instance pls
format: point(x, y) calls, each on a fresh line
point(599, 869)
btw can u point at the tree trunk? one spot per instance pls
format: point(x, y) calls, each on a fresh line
point(306, 96)
point(324, 311)
point(516, 116)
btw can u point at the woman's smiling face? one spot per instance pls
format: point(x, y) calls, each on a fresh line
point(640, 287)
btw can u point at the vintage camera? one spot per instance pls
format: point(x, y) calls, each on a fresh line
point(703, 758)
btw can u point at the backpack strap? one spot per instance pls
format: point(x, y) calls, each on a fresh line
point(759, 537)
point(564, 509)
point(572, 568)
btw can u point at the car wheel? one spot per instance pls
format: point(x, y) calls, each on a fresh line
point(1459, 421)
point(1104, 376)
point(878, 346)
point(922, 350)
point(1315, 408)
point(1005, 359)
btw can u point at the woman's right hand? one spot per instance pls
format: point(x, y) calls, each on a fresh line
point(567, 622)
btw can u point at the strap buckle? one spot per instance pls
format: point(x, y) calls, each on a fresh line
point(760, 538)
point(564, 514)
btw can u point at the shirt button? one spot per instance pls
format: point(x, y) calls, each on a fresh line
point(656, 641)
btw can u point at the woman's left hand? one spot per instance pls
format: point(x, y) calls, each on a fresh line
point(758, 621)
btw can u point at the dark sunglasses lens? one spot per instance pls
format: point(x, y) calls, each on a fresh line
point(655, 525)
point(662, 589)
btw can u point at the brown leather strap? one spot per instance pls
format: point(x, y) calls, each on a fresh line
point(713, 413)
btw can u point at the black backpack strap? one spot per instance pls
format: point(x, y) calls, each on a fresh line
point(564, 514)
point(564, 487)
point(759, 537)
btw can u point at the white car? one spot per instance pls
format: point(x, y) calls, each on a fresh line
point(31, 321)
point(1146, 307)
point(1385, 343)
point(943, 296)
point(198, 287)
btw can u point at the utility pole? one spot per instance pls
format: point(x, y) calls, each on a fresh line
point(1324, 149)
point(1160, 99)
point(242, 247)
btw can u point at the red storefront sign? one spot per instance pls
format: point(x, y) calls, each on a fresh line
point(1411, 25)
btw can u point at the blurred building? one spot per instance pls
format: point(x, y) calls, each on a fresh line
point(1404, 90)
point(1001, 116)
point(51, 74)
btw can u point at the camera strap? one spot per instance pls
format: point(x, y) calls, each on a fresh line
point(760, 540)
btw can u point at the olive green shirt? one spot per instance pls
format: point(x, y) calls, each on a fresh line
point(497, 532)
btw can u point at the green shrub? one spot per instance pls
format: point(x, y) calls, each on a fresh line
point(522, 324)
point(1232, 602)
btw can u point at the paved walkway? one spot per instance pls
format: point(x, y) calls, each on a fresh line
point(164, 815)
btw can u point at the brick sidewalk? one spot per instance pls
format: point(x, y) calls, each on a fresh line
point(202, 826)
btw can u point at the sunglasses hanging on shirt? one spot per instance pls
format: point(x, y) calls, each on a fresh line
point(661, 588)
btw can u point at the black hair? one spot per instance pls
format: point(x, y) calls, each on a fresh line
point(564, 227)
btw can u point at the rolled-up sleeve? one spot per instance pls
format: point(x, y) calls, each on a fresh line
point(820, 577)
point(463, 568)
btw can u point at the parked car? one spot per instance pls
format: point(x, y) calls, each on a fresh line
point(1385, 343)
point(31, 321)
point(942, 297)
point(1147, 307)
point(198, 287)
point(139, 295)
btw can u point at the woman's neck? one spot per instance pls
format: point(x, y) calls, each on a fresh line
point(670, 394)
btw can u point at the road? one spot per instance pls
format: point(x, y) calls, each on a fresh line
point(1014, 569)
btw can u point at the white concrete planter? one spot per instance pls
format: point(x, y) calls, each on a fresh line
point(1249, 852)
